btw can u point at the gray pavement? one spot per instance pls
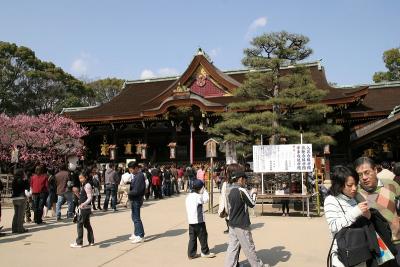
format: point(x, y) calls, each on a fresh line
point(280, 241)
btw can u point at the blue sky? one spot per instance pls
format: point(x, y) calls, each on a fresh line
point(142, 39)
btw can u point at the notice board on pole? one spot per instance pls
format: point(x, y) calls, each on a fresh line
point(283, 158)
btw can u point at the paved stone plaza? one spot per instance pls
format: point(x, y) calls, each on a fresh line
point(280, 241)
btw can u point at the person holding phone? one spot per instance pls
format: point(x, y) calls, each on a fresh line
point(340, 206)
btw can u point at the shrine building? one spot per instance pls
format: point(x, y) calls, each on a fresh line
point(165, 119)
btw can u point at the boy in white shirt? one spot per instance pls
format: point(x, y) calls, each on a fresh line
point(197, 225)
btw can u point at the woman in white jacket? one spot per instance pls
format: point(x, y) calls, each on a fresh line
point(341, 208)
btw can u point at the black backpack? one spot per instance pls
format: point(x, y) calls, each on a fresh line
point(353, 243)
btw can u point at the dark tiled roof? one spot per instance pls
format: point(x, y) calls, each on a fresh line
point(380, 100)
point(128, 103)
point(375, 129)
point(140, 96)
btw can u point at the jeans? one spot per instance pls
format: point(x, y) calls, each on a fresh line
point(61, 199)
point(190, 183)
point(199, 231)
point(18, 219)
point(137, 222)
point(110, 190)
point(84, 221)
point(167, 188)
point(38, 205)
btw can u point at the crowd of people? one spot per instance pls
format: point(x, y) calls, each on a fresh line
point(364, 195)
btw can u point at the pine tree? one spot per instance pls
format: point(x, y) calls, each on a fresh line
point(273, 104)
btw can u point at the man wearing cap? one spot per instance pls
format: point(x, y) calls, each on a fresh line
point(239, 223)
point(135, 195)
point(197, 225)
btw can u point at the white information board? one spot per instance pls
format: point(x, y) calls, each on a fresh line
point(283, 158)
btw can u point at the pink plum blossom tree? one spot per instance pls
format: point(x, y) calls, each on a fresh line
point(45, 139)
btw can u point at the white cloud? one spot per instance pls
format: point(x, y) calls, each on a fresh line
point(147, 74)
point(260, 22)
point(163, 72)
point(167, 72)
point(255, 25)
point(82, 64)
point(79, 66)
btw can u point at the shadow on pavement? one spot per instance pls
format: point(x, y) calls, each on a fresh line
point(220, 248)
point(256, 225)
point(113, 241)
point(123, 238)
point(272, 256)
point(13, 238)
point(169, 233)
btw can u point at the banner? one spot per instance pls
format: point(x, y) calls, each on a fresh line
point(283, 158)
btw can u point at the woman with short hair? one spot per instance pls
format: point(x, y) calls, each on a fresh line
point(340, 206)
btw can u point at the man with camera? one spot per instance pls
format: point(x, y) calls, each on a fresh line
point(239, 222)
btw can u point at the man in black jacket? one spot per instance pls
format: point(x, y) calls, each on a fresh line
point(239, 199)
point(136, 193)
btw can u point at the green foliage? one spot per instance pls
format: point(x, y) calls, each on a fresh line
point(274, 104)
point(391, 58)
point(29, 85)
point(104, 90)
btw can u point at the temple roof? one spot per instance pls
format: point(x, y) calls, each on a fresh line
point(211, 89)
point(376, 129)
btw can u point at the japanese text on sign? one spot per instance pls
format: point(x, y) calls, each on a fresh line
point(283, 158)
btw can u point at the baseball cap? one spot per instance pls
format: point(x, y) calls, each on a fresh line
point(198, 184)
point(238, 174)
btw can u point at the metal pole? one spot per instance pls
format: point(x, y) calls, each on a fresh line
point(317, 190)
point(262, 174)
point(302, 173)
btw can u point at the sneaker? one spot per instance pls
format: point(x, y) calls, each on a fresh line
point(226, 232)
point(75, 245)
point(137, 240)
point(133, 237)
point(91, 244)
point(209, 255)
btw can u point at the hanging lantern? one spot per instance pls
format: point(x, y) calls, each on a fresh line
point(138, 148)
point(386, 147)
point(172, 150)
point(113, 152)
point(143, 151)
point(104, 147)
point(128, 148)
point(369, 152)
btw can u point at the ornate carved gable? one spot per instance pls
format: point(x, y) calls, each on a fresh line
point(202, 83)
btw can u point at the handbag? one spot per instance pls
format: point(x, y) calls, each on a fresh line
point(353, 245)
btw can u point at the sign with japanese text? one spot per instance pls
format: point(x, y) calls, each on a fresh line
point(283, 158)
